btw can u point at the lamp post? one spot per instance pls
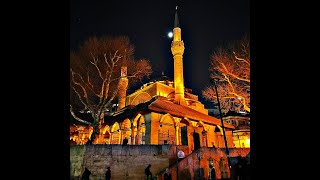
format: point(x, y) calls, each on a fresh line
point(224, 134)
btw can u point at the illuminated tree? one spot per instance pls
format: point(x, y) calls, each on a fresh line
point(230, 67)
point(95, 76)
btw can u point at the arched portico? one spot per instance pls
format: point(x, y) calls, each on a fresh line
point(138, 130)
point(106, 134)
point(115, 133)
point(167, 131)
point(184, 128)
point(126, 130)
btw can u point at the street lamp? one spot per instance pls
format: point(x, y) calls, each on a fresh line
point(213, 81)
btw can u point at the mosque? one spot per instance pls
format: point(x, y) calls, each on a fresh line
point(160, 112)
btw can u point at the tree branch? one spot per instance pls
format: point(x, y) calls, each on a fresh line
point(233, 75)
point(77, 118)
point(90, 86)
point(106, 60)
point(242, 100)
point(80, 98)
point(241, 59)
point(95, 63)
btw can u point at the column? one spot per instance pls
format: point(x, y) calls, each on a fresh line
point(133, 135)
point(177, 134)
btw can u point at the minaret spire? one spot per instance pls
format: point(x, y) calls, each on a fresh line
point(176, 19)
point(177, 49)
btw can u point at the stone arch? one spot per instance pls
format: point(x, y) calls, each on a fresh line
point(105, 129)
point(186, 121)
point(167, 130)
point(135, 120)
point(185, 126)
point(204, 133)
point(141, 98)
point(201, 124)
point(106, 134)
point(220, 128)
point(115, 127)
point(139, 130)
point(164, 119)
point(141, 122)
point(126, 130)
point(115, 133)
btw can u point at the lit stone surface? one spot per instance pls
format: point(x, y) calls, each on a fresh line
point(128, 162)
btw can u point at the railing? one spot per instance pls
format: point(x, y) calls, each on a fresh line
point(234, 141)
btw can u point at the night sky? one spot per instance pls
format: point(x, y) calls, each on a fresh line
point(205, 24)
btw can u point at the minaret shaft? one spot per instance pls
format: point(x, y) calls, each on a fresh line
point(177, 49)
point(123, 85)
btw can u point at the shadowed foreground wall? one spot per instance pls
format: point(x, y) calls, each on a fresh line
point(129, 162)
point(125, 162)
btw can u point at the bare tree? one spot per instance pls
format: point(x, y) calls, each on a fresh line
point(95, 76)
point(230, 67)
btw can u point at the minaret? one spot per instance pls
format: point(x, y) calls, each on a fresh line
point(177, 49)
point(123, 84)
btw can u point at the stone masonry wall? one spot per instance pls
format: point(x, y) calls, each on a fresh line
point(129, 162)
point(125, 162)
point(76, 160)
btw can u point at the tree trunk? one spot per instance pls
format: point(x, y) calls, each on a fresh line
point(95, 133)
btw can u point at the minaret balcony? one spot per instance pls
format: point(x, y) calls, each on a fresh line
point(177, 47)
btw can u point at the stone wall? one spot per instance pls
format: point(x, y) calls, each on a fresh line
point(125, 162)
point(129, 162)
point(76, 160)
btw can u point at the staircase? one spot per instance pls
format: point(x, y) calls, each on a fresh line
point(181, 164)
point(196, 165)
